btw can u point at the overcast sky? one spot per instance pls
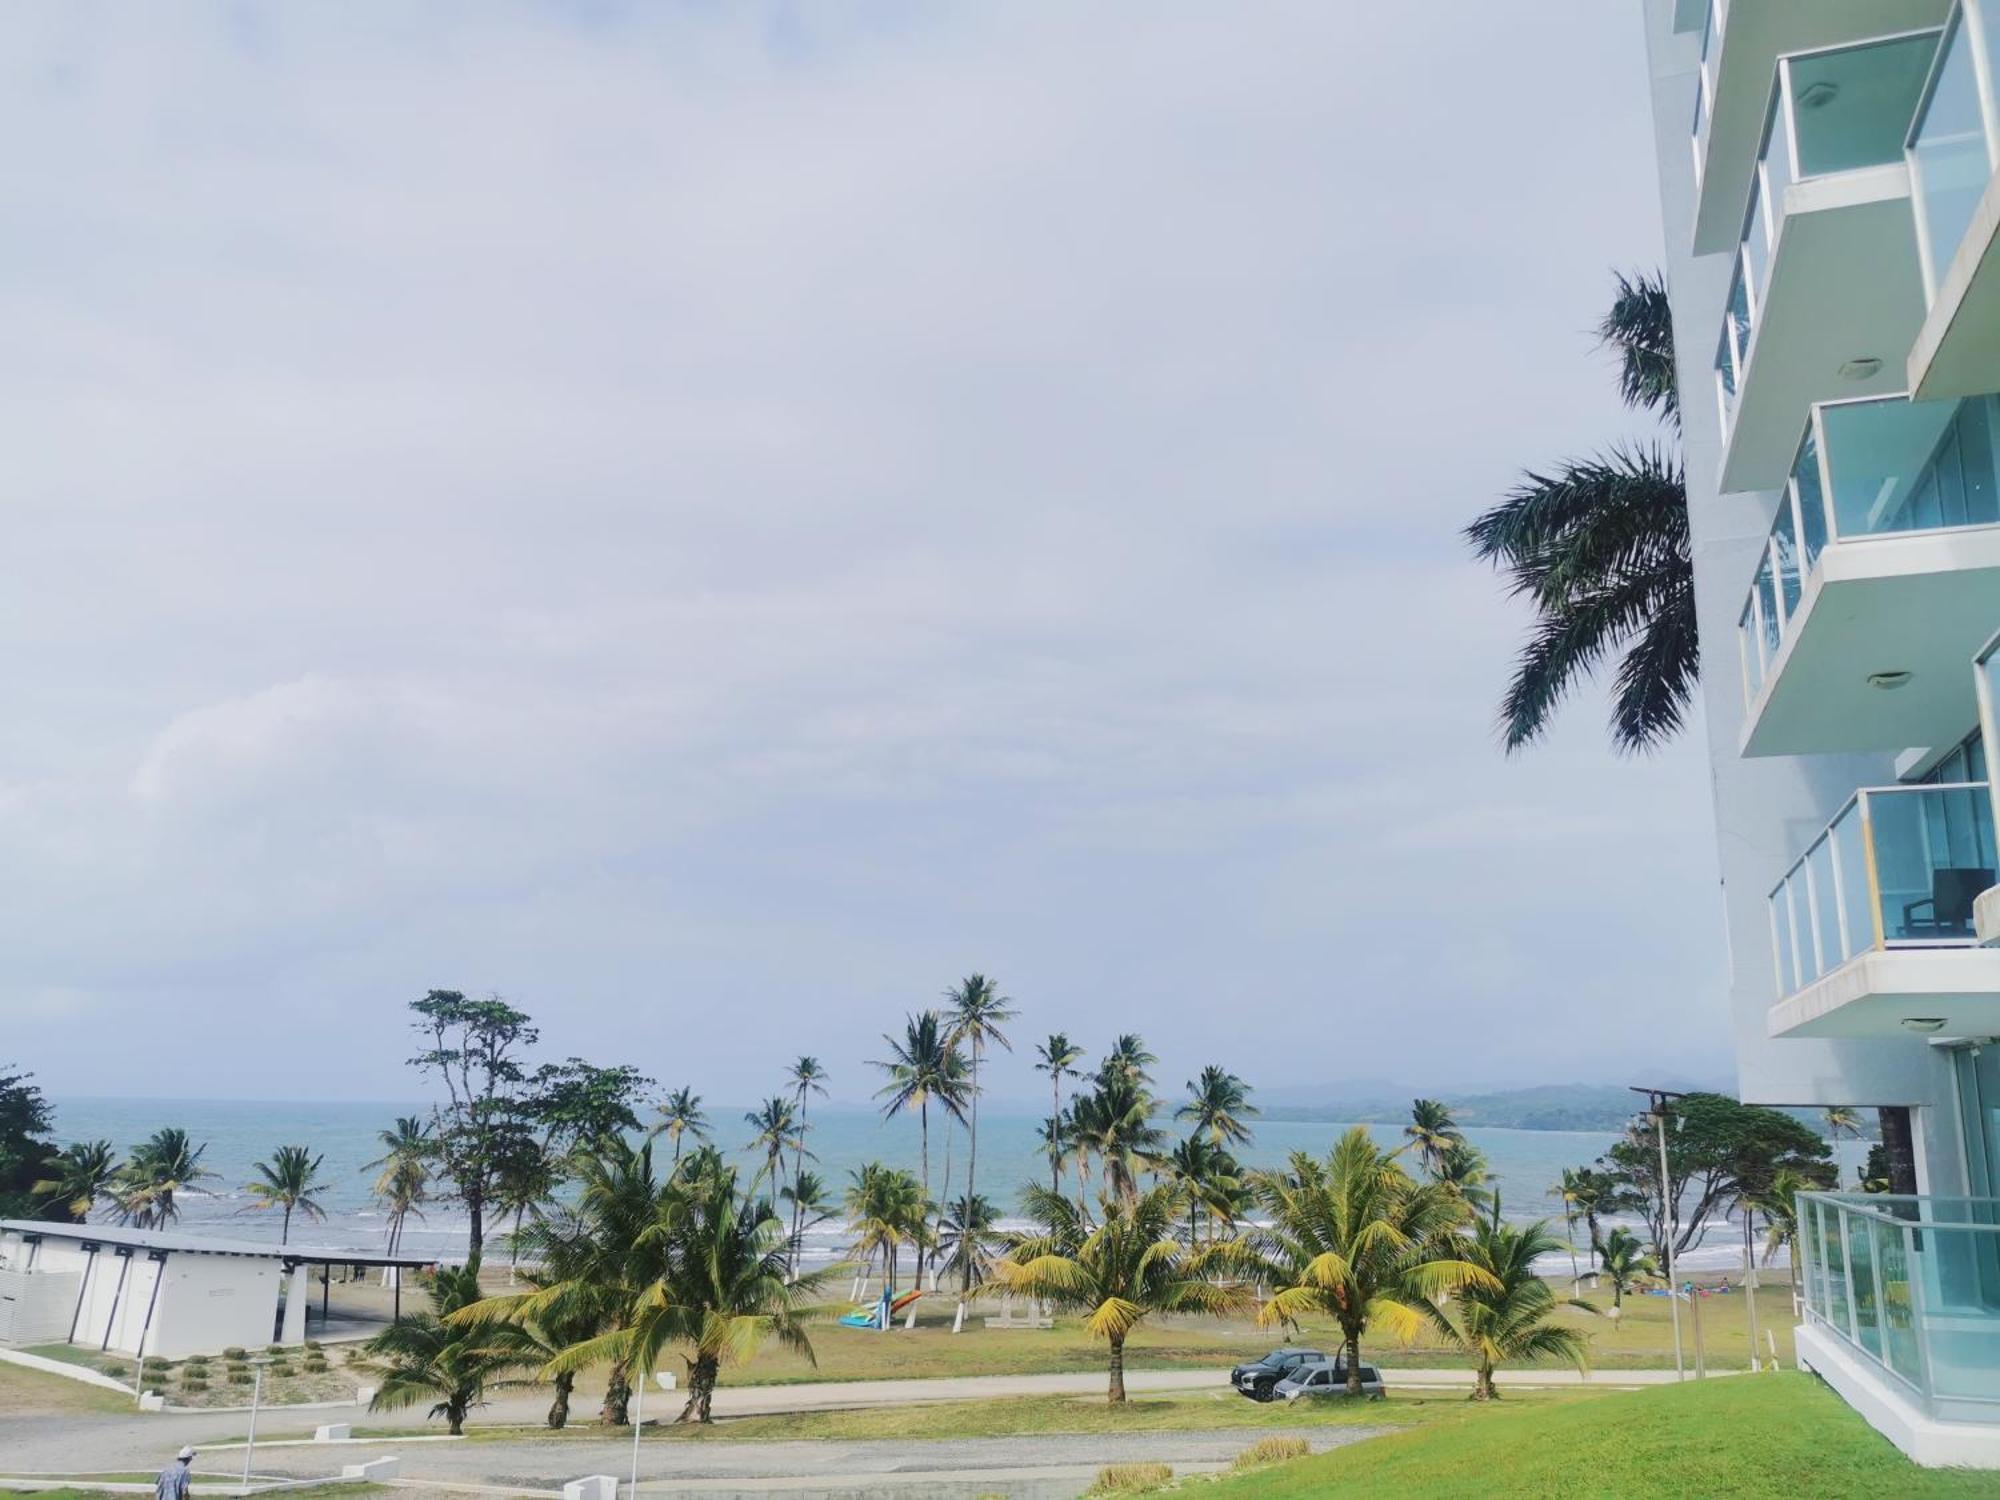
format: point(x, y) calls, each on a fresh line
point(715, 520)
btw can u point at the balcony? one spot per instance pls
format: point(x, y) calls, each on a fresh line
point(1873, 925)
point(1901, 1298)
point(1953, 149)
point(1878, 581)
point(1826, 294)
point(1742, 42)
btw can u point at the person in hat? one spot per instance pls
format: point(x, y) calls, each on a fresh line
point(173, 1481)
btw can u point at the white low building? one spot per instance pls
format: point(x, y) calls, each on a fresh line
point(144, 1291)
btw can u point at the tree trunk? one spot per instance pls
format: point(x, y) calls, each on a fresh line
point(798, 1172)
point(701, 1390)
point(454, 1415)
point(1055, 1124)
point(1117, 1369)
point(559, 1410)
point(1482, 1385)
point(1353, 1352)
point(944, 1202)
point(924, 1213)
point(475, 1217)
point(285, 1234)
point(971, 1174)
point(617, 1397)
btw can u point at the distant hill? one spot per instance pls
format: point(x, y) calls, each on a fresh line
point(1548, 1106)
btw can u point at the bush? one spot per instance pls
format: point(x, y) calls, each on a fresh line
point(274, 1348)
point(154, 1362)
point(1273, 1450)
point(1130, 1479)
point(194, 1382)
point(235, 1352)
point(197, 1361)
point(239, 1377)
point(315, 1367)
point(313, 1346)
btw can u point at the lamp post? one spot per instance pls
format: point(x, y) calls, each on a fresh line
point(638, 1421)
point(258, 1365)
point(1657, 1108)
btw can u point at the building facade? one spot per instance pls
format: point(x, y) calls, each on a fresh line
point(1831, 204)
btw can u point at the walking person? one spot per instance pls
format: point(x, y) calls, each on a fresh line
point(174, 1480)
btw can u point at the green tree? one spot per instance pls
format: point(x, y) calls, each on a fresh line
point(1117, 1273)
point(810, 1206)
point(1431, 1133)
point(1623, 1261)
point(1356, 1239)
point(1114, 1123)
point(884, 1207)
point(527, 1176)
point(574, 1103)
point(161, 1170)
point(1206, 1176)
point(1779, 1204)
point(1508, 1313)
point(25, 1123)
point(432, 1355)
point(1463, 1171)
point(807, 1078)
point(968, 1240)
point(474, 1049)
point(1600, 549)
point(1128, 1058)
point(920, 1069)
point(403, 1173)
point(681, 1115)
point(776, 1124)
point(1057, 1057)
point(1219, 1104)
point(1842, 1121)
point(978, 1010)
point(80, 1176)
point(287, 1182)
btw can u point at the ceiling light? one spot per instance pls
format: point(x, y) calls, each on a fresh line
point(1862, 368)
point(1888, 682)
point(1817, 95)
point(1923, 1025)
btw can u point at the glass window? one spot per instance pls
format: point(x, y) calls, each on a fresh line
point(1789, 982)
point(1882, 460)
point(1948, 151)
point(1768, 623)
point(1826, 908)
point(1850, 853)
point(1852, 107)
point(1785, 548)
point(1812, 500)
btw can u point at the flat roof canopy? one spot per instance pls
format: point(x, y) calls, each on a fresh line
point(162, 1240)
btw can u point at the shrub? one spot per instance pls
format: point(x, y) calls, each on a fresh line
point(1273, 1450)
point(313, 1346)
point(235, 1352)
point(1130, 1479)
point(154, 1362)
point(239, 1377)
point(315, 1367)
point(194, 1382)
point(197, 1361)
point(274, 1348)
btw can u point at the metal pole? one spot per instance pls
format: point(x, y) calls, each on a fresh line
point(1667, 1241)
point(1750, 1288)
point(256, 1400)
point(638, 1421)
point(1694, 1311)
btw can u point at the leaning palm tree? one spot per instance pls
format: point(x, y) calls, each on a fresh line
point(287, 1182)
point(1507, 1315)
point(1842, 1121)
point(1356, 1239)
point(1599, 548)
point(404, 1172)
point(807, 1078)
point(528, 1178)
point(162, 1168)
point(435, 1356)
point(1463, 1171)
point(776, 1123)
point(1117, 1273)
point(1057, 1057)
point(1779, 1204)
point(1431, 1133)
point(1625, 1262)
point(680, 1114)
point(977, 1012)
point(80, 1176)
point(805, 1196)
point(1219, 1103)
point(920, 1069)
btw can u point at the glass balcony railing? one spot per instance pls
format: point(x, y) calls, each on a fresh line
point(1832, 111)
point(1912, 1286)
point(1954, 142)
point(1883, 466)
point(1898, 867)
point(1704, 85)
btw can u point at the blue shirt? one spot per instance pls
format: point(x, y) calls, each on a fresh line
point(172, 1483)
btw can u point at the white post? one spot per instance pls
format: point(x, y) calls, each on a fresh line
point(256, 1400)
point(1667, 1238)
point(297, 1294)
point(638, 1420)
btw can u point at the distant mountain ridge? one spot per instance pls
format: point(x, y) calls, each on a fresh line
point(1547, 1106)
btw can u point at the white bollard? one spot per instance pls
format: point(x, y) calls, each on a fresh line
point(594, 1487)
point(958, 1319)
point(374, 1470)
point(333, 1432)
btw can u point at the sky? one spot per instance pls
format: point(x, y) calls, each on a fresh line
point(715, 521)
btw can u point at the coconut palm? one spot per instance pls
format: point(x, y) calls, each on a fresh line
point(1219, 1103)
point(432, 1355)
point(80, 1176)
point(404, 1172)
point(1600, 549)
point(805, 1196)
point(681, 1114)
point(807, 1078)
point(1842, 1121)
point(1057, 1057)
point(977, 1011)
point(1128, 1057)
point(527, 1178)
point(1573, 1188)
point(1508, 1314)
point(884, 1207)
point(968, 1240)
point(1779, 1204)
point(1116, 1273)
point(1624, 1261)
point(1206, 1176)
point(1114, 1123)
point(162, 1168)
point(920, 1068)
point(1431, 1133)
point(1462, 1169)
point(287, 1182)
point(1356, 1239)
point(776, 1123)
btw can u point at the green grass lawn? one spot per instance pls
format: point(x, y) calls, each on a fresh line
point(26, 1393)
point(1771, 1437)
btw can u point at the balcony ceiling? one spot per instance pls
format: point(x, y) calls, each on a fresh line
point(1958, 351)
point(1757, 33)
point(1921, 602)
point(1844, 284)
point(1872, 995)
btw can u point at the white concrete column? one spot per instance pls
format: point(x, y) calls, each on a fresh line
point(298, 1292)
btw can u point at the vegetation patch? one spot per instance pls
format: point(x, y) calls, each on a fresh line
point(1131, 1479)
point(1272, 1450)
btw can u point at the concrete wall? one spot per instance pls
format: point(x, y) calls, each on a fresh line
point(35, 1306)
point(1767, 810)
point(206, 1302)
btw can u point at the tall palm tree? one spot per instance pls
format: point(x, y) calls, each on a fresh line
point(807, 1078)
point(1114, 1122)
point(968, 1239)
point(776, 1123)
point(1128, 1056)
point(287, 1182)
point(1057, 1057)
point(1431, 1133)
point(1779, 1204)
point(1572, 1188)
point(806, 1196)
point(80, 1176)
point(1599, 548)
point(527, 1179)
point(1463, 1171)
point(1356, 1239)
point(1624, 1260)
point(1219, 1103)
point(680, 1114)
point(161, 1169)
point(978, 1010)
point(1506, 1315)
point(433, 1355)
point(404, 1172)
point(920, 1069)
point(1206, 1175)
point(1117, 1273)
point(884, 1207)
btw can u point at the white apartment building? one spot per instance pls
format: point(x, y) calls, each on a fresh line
point(1832, 210)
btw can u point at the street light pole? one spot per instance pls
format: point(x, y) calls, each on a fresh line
point(638, 1421)
point(256, 1400)
point(1657, 1099)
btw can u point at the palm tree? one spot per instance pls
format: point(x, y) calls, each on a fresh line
point(1600, 549)
point(162, 1168)
point(436, 1355)
point(1779, 1204)
point(405, 1172)
point(681, 1115)
point(776, 1124)
point(1572, 1189)
point(977, 1011)
point(1219, 1103)
point(885, 1206)
point(806, 1195)
point(527, 1179)
point(1206, 1175)
point(1128, 1057)
point(1624, 1260)
point(1118, 1272)
point(80, 1175)
point(287, 1182)
point(1506, 1315)
point(920, 1069)
point(807, 1078)
point(1354, 1238)
point(1431, 1132)
point(1057, 1057)
point(967, 1240)
point(1463, 1171)
point(1114, 1122)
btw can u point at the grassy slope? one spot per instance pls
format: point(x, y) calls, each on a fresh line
point(25, 1392)
point(1751, 1438)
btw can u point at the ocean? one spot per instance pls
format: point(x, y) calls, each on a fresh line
point(1524, 1164)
